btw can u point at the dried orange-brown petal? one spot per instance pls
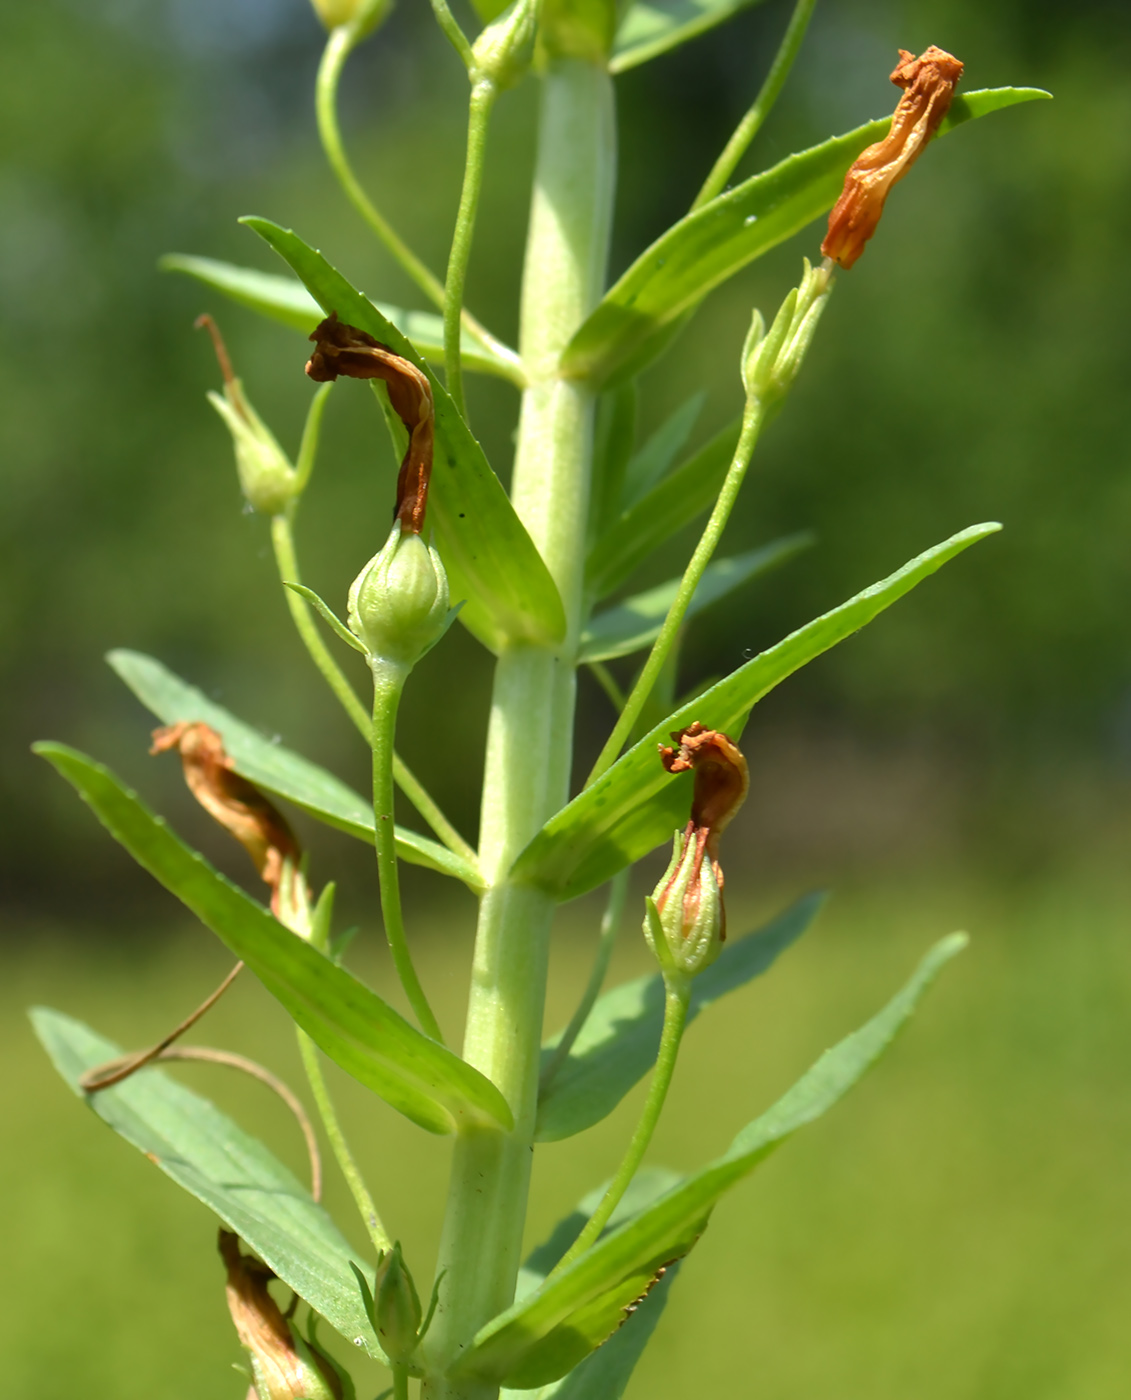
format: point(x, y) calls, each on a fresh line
point(235, 803)
point(722, 779)
point(928, 84)
point(342, 349)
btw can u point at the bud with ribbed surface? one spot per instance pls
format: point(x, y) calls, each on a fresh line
point(398, 604)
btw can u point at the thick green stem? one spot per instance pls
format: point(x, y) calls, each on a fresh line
point(751, 123)
point(400, 1383)
point(388, 682)
point(752, 423)
point(282, 537)
point(530, 732)
point(339, 1146)
point(677, 991)
point(483, 94)
point(610, 926)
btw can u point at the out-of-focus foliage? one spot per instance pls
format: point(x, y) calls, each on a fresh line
point(971, 367)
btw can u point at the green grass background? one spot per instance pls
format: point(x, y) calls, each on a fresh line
point(956, 1229)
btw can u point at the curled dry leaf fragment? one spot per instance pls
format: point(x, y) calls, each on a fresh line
point(342, 349)
point(928, 84)
point(284, 1366)
point(236, 804)
point(689, 897)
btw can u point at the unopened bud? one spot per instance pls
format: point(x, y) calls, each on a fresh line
point(503, 51)
point(397, 1314)
point(689, 905)
point(267, 478)
point(398, 604)
point(771, 360)
point(363, 15)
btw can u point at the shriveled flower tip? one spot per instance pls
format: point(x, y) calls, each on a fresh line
point(235, 803)
point(285, 1369)
point(722, 778)
point(342, 349)
point(928, 84)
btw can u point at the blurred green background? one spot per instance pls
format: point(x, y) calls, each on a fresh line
point(959, 1228)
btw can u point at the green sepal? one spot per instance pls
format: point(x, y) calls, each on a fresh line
point(276, 769)
point(546, 1334)
point(286, 300)
point(669, 279)
point(481, 539)
point(637, 804)
point(617, 1045)
point(357, 1029)
point(328, 615)
point(231, 1172)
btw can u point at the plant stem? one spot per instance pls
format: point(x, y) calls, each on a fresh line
point(483, 94)
point(282, 537)
point(752, 422)
point(530, 733)
point(751, 123)
point(338, 1144)
point(337, 50)
point(400, 1383)
point(452, 32)
point(677, 992)
point(608, 683)
point(388, 682)
point(610, 926)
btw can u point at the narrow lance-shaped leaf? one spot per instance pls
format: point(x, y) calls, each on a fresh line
point(484, 544)
point(654, 459)
point(417, 1076)
point(275, 768)
point(710, 245)
point(635, 623)
point(676, 501)
point(211, 1156)
point(618, 1043)
point(546, 1334)
point(286, 300)
point(652, 27)
point(636, 805)
point(605, 1374)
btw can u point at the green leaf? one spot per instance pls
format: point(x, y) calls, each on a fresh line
point(654, 459)
point(605, 1374)
point(417, 1076)
point(675, 502)
point(285, 299)
point(546, 1334)
point(635, 623)
point(208, 1154)
point(618, 1043)
point(710, 245)
point(486, 549)
point(276, 769)
point(636, 804)
point(652, 27)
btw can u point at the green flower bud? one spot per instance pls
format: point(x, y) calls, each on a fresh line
point(397, 1314)
point(267, 478)
point(689, 905)
point(363, 15)
point(398, 604)
point(771, 361)
point(503, 51)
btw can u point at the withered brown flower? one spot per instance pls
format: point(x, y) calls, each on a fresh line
point(285, 1367)
point(342, 349)
point(234, 802)
point(928, 84)
point(722, 781)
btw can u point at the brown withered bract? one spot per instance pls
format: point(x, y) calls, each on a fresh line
point(928, 84)
point(235, 803)
point(342, 349)
point(264, 1331)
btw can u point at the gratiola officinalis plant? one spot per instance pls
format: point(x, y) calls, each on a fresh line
point(537, 574)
